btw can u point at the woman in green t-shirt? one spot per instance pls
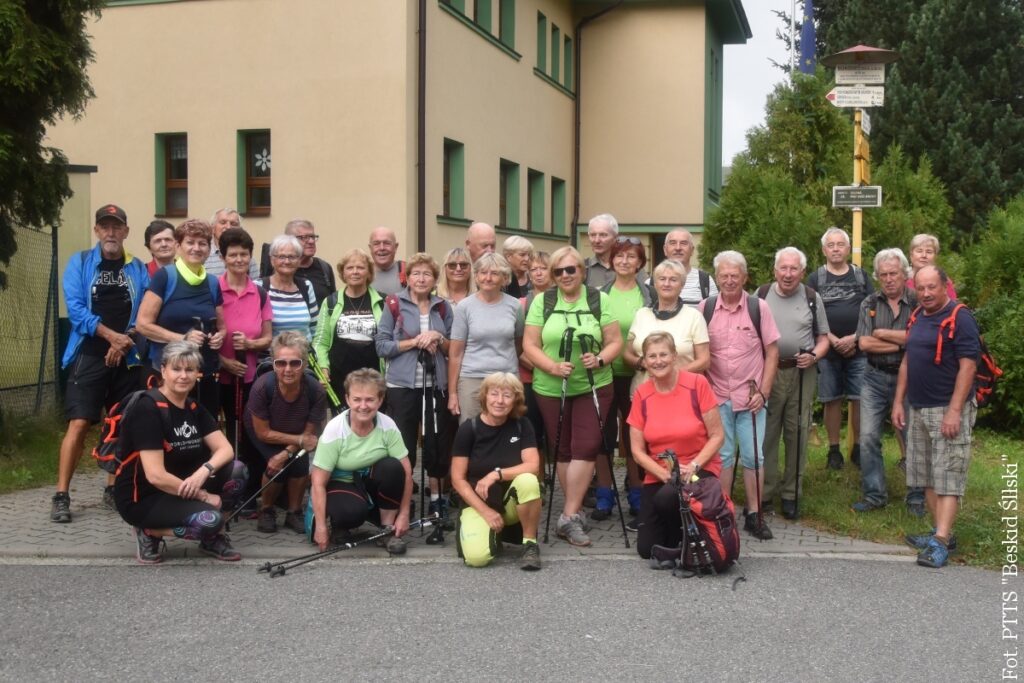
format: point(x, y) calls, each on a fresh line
point(557, 325)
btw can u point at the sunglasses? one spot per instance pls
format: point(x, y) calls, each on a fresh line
point(568, 270)
point(629, 240)
point(290, 363)
point(457, 265)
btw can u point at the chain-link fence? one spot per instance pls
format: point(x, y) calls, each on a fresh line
point(28, 328)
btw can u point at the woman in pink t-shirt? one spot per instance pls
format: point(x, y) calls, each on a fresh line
point(673, 410)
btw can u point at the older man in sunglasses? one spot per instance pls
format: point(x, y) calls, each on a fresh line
point(285, 412)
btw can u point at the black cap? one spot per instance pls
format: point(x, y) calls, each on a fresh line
point(111, 211)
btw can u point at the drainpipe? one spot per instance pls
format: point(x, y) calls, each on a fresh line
point(421, 132)
point(576, 118)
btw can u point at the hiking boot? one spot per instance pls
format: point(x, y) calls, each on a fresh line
point(835, 458)
point(220, 547)
point(758, 531)
point(921, 541)
point(866, 506)
point(855, 455)
point(600, 514)
point(571, 530)
point(267, 523)
point(916, 509)
point(295, 521)
point(147, 548)
point(393, 544)
point(439, 507)
point(789, 510)
point(60, 508)
point(584, 520)
point(934, 555)
point(605, 502)
point(633, 524)
point(530, 559)
point(108, 498)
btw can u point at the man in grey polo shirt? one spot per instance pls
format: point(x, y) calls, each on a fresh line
point(602, 231)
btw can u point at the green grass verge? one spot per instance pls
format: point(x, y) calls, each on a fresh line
point(29, 450)
point(828, 495)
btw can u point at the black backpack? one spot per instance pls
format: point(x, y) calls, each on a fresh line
point(109, 453)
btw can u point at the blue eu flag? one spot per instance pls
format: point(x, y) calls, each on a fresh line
point(807, 39)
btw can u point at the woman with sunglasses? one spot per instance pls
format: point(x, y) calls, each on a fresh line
point(184, 303)
point(292, 298)
point(415, 345)
point(482, 327)
point(284, 414)
point(454, 282)
point(572, 348)
point(184, 473)
point(667, 313)
point(626, 295)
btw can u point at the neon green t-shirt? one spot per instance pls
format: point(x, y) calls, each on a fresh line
point(624, 306)
point(341, 451)
point(578, 316)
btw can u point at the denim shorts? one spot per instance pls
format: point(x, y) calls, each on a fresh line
point(839, 377)
point(739, 436)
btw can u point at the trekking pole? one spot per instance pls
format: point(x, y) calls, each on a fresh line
point(292, 457)
point(281, 568)
point(318, 370)
point(589, 343)
point(757, 467)
point(799, 430)
point(423, 362)
point(566, 354)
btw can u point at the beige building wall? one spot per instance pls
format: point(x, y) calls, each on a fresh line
point(642, 90)
point(329, 81)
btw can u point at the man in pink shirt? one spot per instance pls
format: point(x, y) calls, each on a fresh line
point(744, 358)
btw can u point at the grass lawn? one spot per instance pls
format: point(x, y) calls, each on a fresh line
point(29, 448)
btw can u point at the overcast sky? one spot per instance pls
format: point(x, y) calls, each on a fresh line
point(749, 76)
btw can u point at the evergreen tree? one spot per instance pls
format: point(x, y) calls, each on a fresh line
point(44, 52)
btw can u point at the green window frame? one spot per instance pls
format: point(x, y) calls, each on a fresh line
point(458, 5)
point(507, 23)
point(542, 42)
point(171, 174)
point(482, 14)
point(454, 179)
point(567, 64)
point(556, 51)
point(557, 206)
point(508, 194)
point(534, 200)
point(254, 172)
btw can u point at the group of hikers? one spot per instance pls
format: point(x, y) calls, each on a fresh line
point(505, 372)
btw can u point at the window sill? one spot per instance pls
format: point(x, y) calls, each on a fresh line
point(528, 233)
point(255, 213)
point(452, 220)
point(553, 83)
point(476, 28)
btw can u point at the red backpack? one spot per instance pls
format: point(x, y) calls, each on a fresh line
point(987, 372)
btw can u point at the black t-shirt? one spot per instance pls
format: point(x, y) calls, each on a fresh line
point(320, 274)
point(841, 296)
point(111, 301)
point(143, 428)
point(491, 447)
point(353, 347)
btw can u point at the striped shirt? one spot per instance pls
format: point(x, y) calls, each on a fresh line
point(292, 310)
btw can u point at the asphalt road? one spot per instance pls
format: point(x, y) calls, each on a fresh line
point(595, 620)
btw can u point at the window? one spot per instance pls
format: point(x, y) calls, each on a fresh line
point(459, 5)
point(542, 42)
point(507, 22)
point(534, 200)
point(508, 194)
point(454, 192)
point(172, 174)
point(557, 206)
point(567, 64)
point(254, 162)
point(556, 51)
point(482, 14)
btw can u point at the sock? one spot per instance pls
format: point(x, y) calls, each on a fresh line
point(528, 540)
point(434, 497)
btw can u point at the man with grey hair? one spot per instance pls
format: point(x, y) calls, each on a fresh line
point(602, 231)
point(316, 270)
point(882, 336)
point(480, 240)
point(744, 356)
point(388, 273)
point(842, 287)
point(796, 309)
point(699, 285)
point(221, 220)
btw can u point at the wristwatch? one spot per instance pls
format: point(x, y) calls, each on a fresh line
point(209, 467)
point(497, 470)
point(600, 362)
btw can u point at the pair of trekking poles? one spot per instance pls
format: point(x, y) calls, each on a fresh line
point(588, 344)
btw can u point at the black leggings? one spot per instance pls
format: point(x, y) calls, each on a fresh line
point(405, 407)
point(298, 468)
point(349, 505)
point(659, 522)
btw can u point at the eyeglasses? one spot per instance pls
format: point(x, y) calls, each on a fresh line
point(457, 265)
point(290, 363)
point(568, 270)
point(307, 238)
point(286, 257)
point(629, 240)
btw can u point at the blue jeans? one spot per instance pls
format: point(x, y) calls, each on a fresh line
point(739, 436)
point(876, 395)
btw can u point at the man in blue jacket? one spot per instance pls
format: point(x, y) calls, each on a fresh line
point(102, 289)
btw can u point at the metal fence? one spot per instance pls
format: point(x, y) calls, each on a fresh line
point(28, 328)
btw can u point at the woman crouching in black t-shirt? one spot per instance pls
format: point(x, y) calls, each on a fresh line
point(495, 465)
point(181, 470)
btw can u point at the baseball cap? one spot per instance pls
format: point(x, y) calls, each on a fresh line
point(111, 211)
